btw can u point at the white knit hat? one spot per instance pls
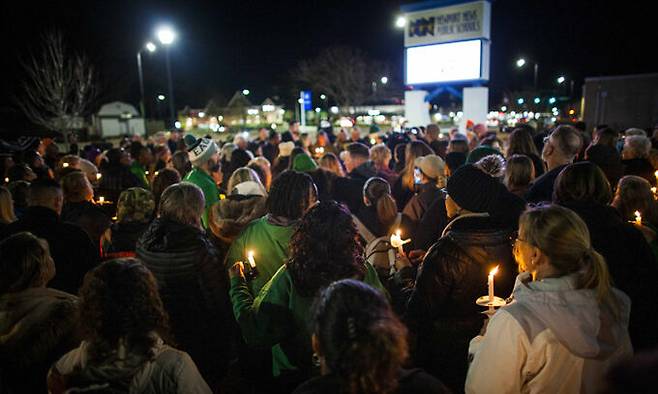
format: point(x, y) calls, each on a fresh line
point(201, 151)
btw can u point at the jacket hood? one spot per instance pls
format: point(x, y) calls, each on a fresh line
point(365, 171)
point(165, 235)
point(232, 214)
point(582, 325)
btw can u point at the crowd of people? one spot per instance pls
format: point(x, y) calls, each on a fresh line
point(176, 264)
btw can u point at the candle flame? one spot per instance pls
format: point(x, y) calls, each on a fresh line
point(250, 254)
point(494, 271)
point(638, 215)
point(398, 232)
point(654, 190)
point(656, 174)
point(99, 176)
point(65, 165)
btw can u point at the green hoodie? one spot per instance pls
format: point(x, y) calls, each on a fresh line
point(279, 317)
point(269, 242)
point(210, 191)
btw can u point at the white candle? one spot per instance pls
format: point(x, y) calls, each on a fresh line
point(397, 241)
point(250, 257)
point(490, 282)
point(638, 218)
point(101, 200)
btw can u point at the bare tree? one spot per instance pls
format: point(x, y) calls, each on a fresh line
point(60, 87)
point(345, 74)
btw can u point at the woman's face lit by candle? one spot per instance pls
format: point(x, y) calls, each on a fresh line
point(524, 253)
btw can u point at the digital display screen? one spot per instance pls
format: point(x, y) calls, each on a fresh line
point(449, 62)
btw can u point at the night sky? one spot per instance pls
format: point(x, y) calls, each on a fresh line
point(225, 46)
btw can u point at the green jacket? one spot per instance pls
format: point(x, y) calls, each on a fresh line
point(209, 188)
point(140, 173)
point(269, 243)
point(279, 317)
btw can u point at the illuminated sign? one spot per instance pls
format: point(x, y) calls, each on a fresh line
point(460, 61)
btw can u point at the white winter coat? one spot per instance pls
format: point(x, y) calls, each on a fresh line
point(553, 338)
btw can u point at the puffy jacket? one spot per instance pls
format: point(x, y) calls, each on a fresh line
point(37, 326)
point(194, 290)
point(553, 338)
point(168, 371)
point(441, 314)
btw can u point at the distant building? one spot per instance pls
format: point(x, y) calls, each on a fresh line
point(118, 118)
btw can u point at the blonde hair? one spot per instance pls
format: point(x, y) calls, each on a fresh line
point(413, 150)
point(6, 206)
point(379, 154)
point(243, 174)
point(330, 162)
point(563, 237)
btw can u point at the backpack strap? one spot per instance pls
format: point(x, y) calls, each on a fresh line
point(363, 230)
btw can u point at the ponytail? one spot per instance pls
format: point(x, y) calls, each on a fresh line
point(378, 192)
point(594, 274)
point(387, 210)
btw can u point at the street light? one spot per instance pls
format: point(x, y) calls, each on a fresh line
point(161, 97)
point(400, 22)
point(384, 80)
point(151, 48)
point(560, 80)
point(522, 62)
point(520, 101)
point(552, 100)
point(246, 92)
point(537, 100)
point(166, 36)
point(323, 97)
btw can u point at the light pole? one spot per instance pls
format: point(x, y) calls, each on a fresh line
point(166, 36)
point(151, 48)
point(522, 62)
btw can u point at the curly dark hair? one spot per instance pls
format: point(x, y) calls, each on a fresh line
point(360, 338)
point(325, 248)
point(120, 299)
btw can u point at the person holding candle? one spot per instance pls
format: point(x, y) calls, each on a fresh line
point(566, 324)
point(634, 193)
point(583, 188)
point(324, 248)
point(441, 313)
point(291, 195)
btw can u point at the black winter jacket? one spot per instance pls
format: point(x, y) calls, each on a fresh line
point(442, 315)
point(194, 289)
point(631, 263)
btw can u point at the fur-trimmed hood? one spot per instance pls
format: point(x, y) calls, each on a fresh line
point(231, 215)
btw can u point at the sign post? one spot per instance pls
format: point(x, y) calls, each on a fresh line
point(305, 104)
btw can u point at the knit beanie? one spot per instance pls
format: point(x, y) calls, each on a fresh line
point(474, 190)
point(303, 163)
point(200, 150)
point(135, 205)
point(480, 152)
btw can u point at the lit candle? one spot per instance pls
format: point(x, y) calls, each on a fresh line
point(656, 175)
point(146, 172)
point(99, 176)
point(397, 241)
point(490, 282)
point(638, 218)
point(250, 257)
point(7, 180)
point(101, 200)
point(65, 165)
point(654, 190)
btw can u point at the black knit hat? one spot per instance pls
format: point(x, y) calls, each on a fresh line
point(474, 190)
